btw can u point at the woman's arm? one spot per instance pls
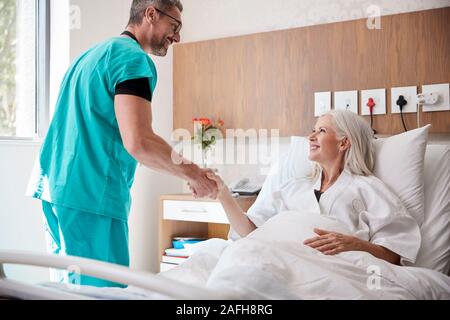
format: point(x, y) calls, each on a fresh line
point(237, 217)
point(332, 243)
point(380, 252)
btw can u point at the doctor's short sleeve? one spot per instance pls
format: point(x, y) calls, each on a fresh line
point(127, 61)
point(390, 224)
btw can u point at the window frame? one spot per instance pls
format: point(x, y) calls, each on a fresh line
point(42, 78)
point(42, 118)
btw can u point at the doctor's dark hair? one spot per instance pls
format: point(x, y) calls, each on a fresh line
point(359, 159)
point(138, 8)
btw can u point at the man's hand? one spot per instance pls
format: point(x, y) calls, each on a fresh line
point(203, 187)
point(332, 243)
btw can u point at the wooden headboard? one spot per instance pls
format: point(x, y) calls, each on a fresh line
point(268, 80)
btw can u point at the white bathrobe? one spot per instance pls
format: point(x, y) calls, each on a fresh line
point(364, 204)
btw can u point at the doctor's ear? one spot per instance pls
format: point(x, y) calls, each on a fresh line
point(150, 14)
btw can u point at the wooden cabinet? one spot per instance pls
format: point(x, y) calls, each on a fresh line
point(184, 216)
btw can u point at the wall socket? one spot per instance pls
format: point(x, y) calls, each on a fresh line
point(443, 103)
point(322, 102)
point(379, 96)
point(410, 94)
point(346, 100)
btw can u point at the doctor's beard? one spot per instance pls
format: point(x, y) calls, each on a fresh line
point(159, 47)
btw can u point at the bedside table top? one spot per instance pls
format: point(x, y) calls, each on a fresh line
point(190, 197)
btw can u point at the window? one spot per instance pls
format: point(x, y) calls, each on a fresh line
point(23, 65)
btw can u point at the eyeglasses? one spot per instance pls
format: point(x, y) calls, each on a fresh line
point(176, 29)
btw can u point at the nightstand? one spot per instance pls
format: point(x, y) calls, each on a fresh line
point(184, 216)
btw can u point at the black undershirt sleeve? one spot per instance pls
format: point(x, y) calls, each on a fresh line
point(136, 87)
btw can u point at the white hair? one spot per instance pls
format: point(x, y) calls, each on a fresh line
point(359, 158)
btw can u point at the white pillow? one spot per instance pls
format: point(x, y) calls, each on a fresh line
point(292, 164)
point(399, 163)
point(435, 250)
point(298, 162)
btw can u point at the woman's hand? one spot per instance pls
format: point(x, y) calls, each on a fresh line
point(332, 243)
point(223, 188)
point(201, 186)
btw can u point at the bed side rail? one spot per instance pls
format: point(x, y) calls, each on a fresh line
point(111, 272)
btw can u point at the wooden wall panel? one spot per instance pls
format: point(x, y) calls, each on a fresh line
point(268, 80)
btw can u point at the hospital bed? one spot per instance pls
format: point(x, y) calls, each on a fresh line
point(351, 276)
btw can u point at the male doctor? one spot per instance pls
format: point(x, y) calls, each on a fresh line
point(101, 129)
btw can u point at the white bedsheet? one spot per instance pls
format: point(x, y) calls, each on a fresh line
point(272, 263)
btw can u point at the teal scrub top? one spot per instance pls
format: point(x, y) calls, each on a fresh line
point(83, 164)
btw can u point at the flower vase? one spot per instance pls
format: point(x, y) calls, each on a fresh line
point(205, 159)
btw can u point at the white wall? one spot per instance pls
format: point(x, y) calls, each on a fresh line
point(99, 20)
point(21, 223)
point(212, 19)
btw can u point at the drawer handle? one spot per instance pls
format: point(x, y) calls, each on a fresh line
point(194, 210)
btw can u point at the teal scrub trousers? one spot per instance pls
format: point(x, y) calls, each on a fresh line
point(87, 235)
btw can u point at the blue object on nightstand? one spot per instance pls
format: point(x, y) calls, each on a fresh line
point(178, 243)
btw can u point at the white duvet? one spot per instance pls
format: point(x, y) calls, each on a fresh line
point(273, 263)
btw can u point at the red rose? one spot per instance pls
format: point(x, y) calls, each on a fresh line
point(205, 121)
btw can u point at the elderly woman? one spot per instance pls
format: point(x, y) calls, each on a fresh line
point(343, 187)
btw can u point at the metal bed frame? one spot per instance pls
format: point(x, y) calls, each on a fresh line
point(11, 289)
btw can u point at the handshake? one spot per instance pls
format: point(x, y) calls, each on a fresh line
point(207, 184)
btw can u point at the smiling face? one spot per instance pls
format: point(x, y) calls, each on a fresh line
point(163, 30)
point(325, 146)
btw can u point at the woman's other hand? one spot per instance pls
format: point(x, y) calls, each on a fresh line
point(332, 243)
